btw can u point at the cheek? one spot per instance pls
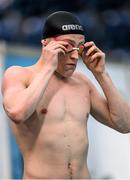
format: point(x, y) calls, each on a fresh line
point(61, 62)
point(61, 56)
point(62, 59)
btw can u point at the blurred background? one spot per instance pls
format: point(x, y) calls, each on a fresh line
point(107, 23)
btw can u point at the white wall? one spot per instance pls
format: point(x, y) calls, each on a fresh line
point(5, 171)
point(109, 150)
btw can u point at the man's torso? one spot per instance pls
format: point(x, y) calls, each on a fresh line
point(54, 141)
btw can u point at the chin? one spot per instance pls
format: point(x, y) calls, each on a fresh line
point(66, 74)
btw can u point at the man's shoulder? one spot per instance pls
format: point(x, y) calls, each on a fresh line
point(83, 80)
point(17, 71)
point(15, 74)
point(81, 77)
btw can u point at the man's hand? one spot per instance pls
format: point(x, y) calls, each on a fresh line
point(51, 51)
point(93, 58)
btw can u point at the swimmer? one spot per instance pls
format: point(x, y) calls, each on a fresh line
point(49, 103)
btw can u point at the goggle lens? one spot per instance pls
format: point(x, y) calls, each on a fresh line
point(80, 49)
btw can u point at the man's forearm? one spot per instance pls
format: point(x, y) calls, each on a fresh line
point(118, 107)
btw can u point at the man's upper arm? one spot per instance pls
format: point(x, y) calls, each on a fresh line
point(98, 104)
point(99, 107)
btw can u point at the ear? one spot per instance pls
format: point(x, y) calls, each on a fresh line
point(44, 42)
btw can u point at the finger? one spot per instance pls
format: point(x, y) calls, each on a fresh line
point(64, 43)
point(92, 50)
point(96, 56)
point(59, 50)
point(60, 46)
point(53, 43)
point(93, 64)
point(89, 44)
point(89, 61)
point(93, 59)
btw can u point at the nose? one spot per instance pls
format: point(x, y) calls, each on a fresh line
point(74, 55)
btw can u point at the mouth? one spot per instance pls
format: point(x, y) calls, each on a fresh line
point(71, 64)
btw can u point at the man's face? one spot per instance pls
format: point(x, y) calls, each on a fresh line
point(67, 63)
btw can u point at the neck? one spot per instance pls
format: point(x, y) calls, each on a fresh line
point(59, 76)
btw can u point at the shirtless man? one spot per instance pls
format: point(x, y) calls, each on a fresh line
point(49, 104)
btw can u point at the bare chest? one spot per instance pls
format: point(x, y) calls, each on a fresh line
point(65, 103)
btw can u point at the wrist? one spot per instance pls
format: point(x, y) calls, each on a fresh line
point(47, 63)
point(101, 75)
point(49, 68)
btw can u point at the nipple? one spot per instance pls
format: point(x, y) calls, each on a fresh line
point(43, 110)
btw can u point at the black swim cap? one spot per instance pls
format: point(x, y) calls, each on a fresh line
point(60, 23)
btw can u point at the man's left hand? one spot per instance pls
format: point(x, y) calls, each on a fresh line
point(93, 58)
